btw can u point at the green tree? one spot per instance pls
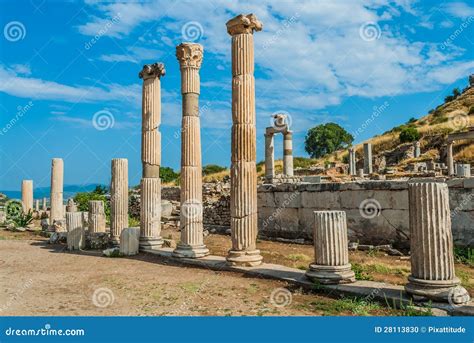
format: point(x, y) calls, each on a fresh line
point(212, 168)
point(325, 139)
point(167, 174)
point(409, 134)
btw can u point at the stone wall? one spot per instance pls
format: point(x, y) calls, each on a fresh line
point(171, 193)
point(377, 211)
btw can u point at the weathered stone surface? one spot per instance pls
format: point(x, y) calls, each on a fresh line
point(129, 241)
point(27, 195)
point(56, 198)
point(321, 200)
point(71, 206)
point(75, 232)
point(287, 199)
point(463, 170)
point(150, 215)
point(118, 198)
point(96, 216)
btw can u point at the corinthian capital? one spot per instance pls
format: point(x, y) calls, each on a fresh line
point(243, 24)
point(152, 70)
point(189, 55)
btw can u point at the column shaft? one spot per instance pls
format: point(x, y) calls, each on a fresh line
point(56, 198)
point(96, 216)
point(150, 213)
point(118, 198)
point(27, 195)
point(288, 153)
point(449, 159)
point(368, 158)
point(75, 231)
point(269, 157)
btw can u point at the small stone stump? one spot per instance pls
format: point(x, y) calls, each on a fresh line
point(75, 232)
point(130, 241)
point(331, 265)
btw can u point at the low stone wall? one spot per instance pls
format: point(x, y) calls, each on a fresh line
point(377, 211)
point(171, 193)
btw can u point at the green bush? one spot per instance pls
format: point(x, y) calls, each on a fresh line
point(409, 134)
point(82, 199)
point(212, 169)
point(23, 219)
point(167, 174)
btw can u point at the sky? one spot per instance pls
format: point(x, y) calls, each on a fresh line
point(69, 83)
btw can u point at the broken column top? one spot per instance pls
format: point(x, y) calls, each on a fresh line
point(152, 70)
point(243, 24)
point(189, 55)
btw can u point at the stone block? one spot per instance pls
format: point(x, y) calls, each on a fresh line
point(288, 199)
point(462, 228)
point(265, 199)
point(468, 182)
point(129, 241)
point(321, 200)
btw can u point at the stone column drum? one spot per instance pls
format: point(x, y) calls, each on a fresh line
point(431, 244)
point(150, 214)
point(269, 154)
point(331, 265)
point(96, 216)
point(368, 158)
point(151, 118)
point(449, 158)
point(288, 153)
point(118, 199)
point(352, 162)
point(463, 170)
point(27, 195)
point(75, 231)
point(243, 196)
point(56, 198)
point(37, 205)
point(192, 240)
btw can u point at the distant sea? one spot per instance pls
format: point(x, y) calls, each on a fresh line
point(39, 193)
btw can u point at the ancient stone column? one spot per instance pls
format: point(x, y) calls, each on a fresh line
point(75, 231)
point(431, 244)
point(56, 198)
point(360, 172)
point(150, 213)
point(44, 206)
point(192, 242)
point(71, 205)
point(463, 170)
point(243, 196)
point(288, 153)
point(352, 162)
point(27, 195)
point(449, 158)
point(37, 205)
point(330, 248)
point(368, 158)
point(417, 151)
point(118, 199)
point(269, 155)
point(96, 216)
point(151, 118)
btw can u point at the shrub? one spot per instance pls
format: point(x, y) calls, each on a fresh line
point(212, 169)
point(23, 219)
point(409, 134)
point(167, 174)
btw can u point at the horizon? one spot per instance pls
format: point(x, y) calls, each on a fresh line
point(324, 62)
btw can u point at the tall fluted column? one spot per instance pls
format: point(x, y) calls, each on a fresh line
point(192, 242)
point(352, 162)
point(367, 158)
point(243, 195)
point(27, 195)
point(56, 197)
point(330, 248)
point(449, 159)
point(288, 153)
point(269, 155)
point(150, 213)
point(118, 199)
point(431, 244)
point(96, 216)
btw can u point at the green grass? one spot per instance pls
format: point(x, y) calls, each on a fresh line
point(361, 272)
point(464, 255)
point(298, 257)
point(355, 306)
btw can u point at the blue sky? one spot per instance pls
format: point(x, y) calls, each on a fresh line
point(62, 64)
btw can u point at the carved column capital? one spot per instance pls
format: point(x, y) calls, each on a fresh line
point(243, 24)
point(152, 70)
point(189, 55)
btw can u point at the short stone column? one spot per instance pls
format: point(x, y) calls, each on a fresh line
point(44, 206)
point(417, 151)
point(71, 206)
point(192, 240)
point(431, 244)
point(150, 213)
point(118, 199)
point(243, 195)
point(463, 170)
point(151, 118)
point(56, 198)
point(330, 248)
point(288, 153)
point(449, 158)
point(27, 195)
point(368, 158)
point(129, 241)
point(269, 155)
point(96, 216)
point(37, 205)
point(360, 172)
point(75, 231)
point(352, 162)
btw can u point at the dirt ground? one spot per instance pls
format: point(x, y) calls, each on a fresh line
point(41, 279)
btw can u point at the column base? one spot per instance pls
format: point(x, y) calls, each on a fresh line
point(150, 243)
point(330, 275)
point(439, 290)
point(244, 258)
point(190, 251)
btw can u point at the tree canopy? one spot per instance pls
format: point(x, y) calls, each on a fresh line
point(325, 139)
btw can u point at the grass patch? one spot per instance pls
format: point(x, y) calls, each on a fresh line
point(356, 306)
point(298, 257)
point(361, 272)
point(191, 287)
point(464, 255)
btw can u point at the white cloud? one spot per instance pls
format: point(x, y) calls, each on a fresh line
point(459, 9)
point(137, 55)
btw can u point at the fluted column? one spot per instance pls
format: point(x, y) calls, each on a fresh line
point(431, 244)
point(269, 155)
point(192, 242)
point(27, 195)
point(96, 216)
point(243, 195)
point(118, 198)
point(75, 231)
point(352, 162)
point(150, 213)
point(449, 159)
point(330, 249)
point(367, 158)
point(56, 197)
point(288, 153)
